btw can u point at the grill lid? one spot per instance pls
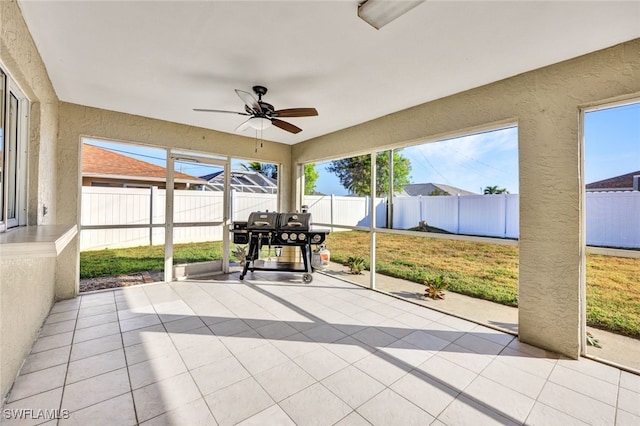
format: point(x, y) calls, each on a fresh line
point(294, 221)
point(262, 221)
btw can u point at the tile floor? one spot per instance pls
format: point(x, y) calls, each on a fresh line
point(274, 351)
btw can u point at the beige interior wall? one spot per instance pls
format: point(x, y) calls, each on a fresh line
point(546, 105)
point(27, 285)
point(80, 121)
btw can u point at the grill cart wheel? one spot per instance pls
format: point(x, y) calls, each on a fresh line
point(307, 278)
point(241, 277)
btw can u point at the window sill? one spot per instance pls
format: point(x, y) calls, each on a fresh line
point(36, 241)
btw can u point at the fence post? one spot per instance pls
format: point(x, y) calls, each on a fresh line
point(458, 216)
point(504, 211)
point(331, 206)
point(152, 201)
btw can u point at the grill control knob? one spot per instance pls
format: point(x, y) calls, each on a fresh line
point(293, 237)
point(302, 237)
point(285, 236)
point(316, 238)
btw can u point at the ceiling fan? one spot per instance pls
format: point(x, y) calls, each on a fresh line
point(262, 115)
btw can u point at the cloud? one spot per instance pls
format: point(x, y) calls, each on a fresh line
point(469, 162)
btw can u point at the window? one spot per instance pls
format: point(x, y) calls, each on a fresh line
point(13, 133)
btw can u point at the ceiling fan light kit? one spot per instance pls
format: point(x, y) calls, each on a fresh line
point(263, 115)
point(379, 13)
point(259, 123)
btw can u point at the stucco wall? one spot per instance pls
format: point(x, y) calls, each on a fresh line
point(82, 121)
point(27, 285)
point(22, 61)
point(25, 303)
point(545, 104)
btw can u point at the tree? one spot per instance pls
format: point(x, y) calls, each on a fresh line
point(437, 192)
point(495, 190)
point(311, 175)
point(269, 170)
point(355, 173)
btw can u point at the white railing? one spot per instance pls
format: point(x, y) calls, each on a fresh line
point(613, 218)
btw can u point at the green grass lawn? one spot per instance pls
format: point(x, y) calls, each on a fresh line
point(487, 271)
point(113, 262)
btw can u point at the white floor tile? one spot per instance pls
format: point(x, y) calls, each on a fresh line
point(624, 418)
point(96, 389)
point(166, 395)
point(102, 413)
point(284, 380)
point(238, 402)
point(353, 419)
point(96, 346)
point(630, 381)
point(593, 368)
point(377, 411)
point(428, 394)
point(513, 378)
point(37, 382)
point(320, 363)
point(585, 384)
point(577, 405)
point(46, 359)
point(447, 372)
point(350, 349)
point(353, 386)
point(95, 365)
point(315, 405)
point(383, 367)
point(273, 416)
point(324, 333)
point(49, 400)
point(464, 411)
point(261, 358)
point(543, 415)
point(93, 320)
point(213, 377)
point(153, 370)
point(193, 413)
point(505, 401)
point(629, 401)
point(374, 337)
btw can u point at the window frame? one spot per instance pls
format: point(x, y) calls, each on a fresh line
point(11, 90)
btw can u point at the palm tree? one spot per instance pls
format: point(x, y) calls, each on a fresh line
point(495, 190)
point(268, 170)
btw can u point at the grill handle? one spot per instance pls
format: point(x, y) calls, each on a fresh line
point(261, 223)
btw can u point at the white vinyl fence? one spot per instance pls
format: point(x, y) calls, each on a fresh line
point(613, 218)
point(146, 206)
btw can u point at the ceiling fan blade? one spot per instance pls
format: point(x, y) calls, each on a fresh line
point(286, 126)
point(243, 126)
point(296, 112)
point(249, 100)
point(220, 110)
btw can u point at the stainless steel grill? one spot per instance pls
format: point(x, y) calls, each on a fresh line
point(277, 230)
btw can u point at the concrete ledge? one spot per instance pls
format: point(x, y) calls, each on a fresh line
point(36, 241)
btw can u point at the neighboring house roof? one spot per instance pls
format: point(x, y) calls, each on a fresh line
point(100, 162)
point(616, 183)
point(243, 181)
point(415, 189)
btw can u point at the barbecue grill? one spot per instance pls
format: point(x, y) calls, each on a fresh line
point(271, 229)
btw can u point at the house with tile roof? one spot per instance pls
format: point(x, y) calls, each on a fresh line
point(101, 167)
point(242, 181)
point(415, 189)
point(626, 182)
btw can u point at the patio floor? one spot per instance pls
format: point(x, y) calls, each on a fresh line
point(273, 350)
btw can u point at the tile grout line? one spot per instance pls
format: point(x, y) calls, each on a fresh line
point(126, 362)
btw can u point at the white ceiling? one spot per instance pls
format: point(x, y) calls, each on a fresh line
point(160, 59)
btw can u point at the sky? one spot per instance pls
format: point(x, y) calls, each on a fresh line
point(612, 148)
